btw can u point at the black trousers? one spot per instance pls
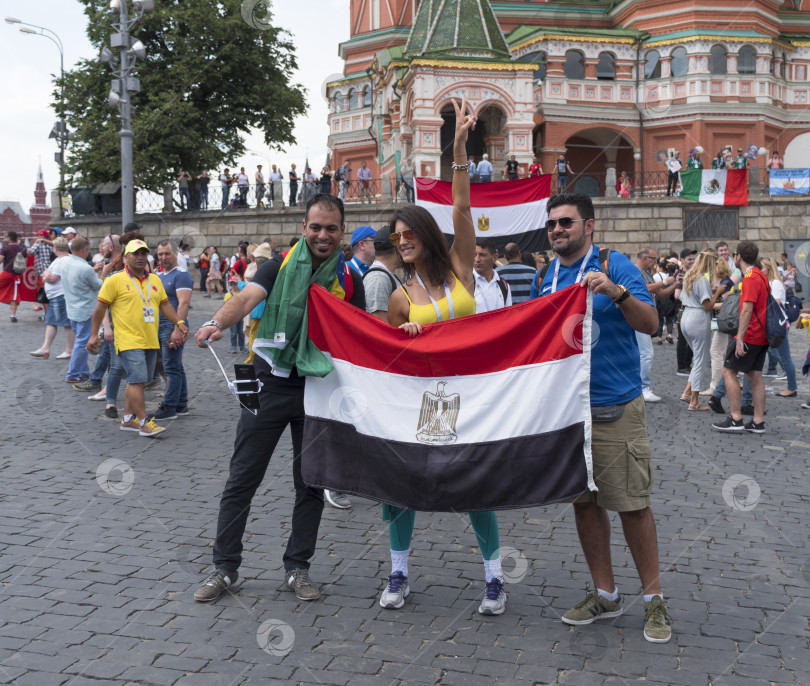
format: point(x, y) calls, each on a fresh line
point(683, 352)
point(282, 403)
point(672, 182)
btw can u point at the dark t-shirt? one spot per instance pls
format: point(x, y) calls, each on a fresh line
point(9, 252)
point(204, 181)
point(512, 167)
point(266, 278)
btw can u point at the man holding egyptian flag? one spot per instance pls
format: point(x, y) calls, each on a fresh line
point(281, 348)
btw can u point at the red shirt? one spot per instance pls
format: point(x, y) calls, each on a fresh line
point(535, 170)
point(755, 289)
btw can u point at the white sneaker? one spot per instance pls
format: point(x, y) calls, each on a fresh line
point(338, 500)
point(396, 590)
point(649, 396)
point(494, 602)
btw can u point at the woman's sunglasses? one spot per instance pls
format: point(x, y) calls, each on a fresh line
point(396, 236)
point(564, 222)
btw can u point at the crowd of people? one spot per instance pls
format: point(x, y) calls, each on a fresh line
point(130, 308)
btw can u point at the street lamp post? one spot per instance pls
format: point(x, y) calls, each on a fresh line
point(60, 132)
point(124, 83)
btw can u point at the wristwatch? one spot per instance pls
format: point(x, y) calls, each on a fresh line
point(623, 295)
point(213, 322)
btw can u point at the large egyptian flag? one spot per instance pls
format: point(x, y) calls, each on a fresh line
point(505, 211)
point(715, 186)
point(485, 412)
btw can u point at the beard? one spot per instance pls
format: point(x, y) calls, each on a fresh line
point(573, 246)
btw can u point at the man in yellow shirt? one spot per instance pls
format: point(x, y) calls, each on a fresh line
point(134, 298)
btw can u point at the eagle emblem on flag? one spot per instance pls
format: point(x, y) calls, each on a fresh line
point(483, 223)
point(438, 417)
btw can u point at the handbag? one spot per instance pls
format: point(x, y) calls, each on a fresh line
point(42, 299)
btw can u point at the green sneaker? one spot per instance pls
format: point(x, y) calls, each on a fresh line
point(592, 608)
point(657, 624)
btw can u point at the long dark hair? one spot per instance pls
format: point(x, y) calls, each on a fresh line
point(435, 253)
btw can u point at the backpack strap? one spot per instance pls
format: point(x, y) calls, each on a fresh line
point(384, 271)
point(504, 287)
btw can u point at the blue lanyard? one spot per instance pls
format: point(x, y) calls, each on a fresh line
point(579, 275)
point(138, 288)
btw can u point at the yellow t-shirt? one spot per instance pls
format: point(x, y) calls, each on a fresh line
point(126, 295)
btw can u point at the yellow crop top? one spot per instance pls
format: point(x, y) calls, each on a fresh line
point(463, 305)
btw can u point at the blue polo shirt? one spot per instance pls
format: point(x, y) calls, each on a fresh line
point(615, 365)
point(173, 281)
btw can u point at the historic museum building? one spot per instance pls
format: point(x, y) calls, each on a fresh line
point(613, 85)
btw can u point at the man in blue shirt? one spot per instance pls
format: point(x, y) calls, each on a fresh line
point(621, 450)
point(484, 170)
point(178, 285)
point(363, 249)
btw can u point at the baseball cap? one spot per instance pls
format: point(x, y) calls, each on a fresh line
point(362, 233)
point(382, 240)
point(44, 232)
point(688, 251)
point(132, 246)
point(70, 229)
point(233, 279)
point(132, 226)
point(263, 250)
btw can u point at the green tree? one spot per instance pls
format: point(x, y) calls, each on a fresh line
point(214, 70)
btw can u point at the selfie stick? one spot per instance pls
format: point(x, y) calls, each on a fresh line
point(234, 386)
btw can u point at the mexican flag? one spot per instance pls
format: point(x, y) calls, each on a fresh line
point(715, 186)
point(485, 412)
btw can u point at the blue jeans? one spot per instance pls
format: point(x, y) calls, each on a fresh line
point(79, 368)
point(645, 350)
point(237, 337)
point(485, 178)
point(114, 376)
point(562, 182)
point(203, 197)
point(225, 193)
point(102, 362)
point(747, 395)
point(782, 354)
point(185, 198)
point(176, 385)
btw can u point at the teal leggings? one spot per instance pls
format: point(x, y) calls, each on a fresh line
point(401, 522)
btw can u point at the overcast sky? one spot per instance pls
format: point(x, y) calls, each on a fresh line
point(28, 62)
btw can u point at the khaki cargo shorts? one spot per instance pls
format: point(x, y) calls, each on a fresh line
point(622, 461)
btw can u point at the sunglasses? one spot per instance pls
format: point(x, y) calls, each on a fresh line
point(564, 222)
point(396, 236)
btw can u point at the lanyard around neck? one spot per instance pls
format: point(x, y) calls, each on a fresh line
point(447, 294)
point(579, 274)
point(138, 288)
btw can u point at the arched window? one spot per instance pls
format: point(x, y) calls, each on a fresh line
point(340, 104)
point(539, 58)
point(652, 65)
point(606, 66)
point(367, 97)
point(679, 62)
point(747, 60)
point(352, 99)
point(574, 65)
point(718, 60)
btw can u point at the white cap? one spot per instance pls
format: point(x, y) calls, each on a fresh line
point(69, 229)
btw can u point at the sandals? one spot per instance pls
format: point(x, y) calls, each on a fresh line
point(669, 339)
point(686, 397)
point(700, 407)
point(40, 353)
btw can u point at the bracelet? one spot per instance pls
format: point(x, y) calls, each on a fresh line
point(179, 322)
point(460, 167)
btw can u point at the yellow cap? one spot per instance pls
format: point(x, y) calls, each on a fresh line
point(132, 246)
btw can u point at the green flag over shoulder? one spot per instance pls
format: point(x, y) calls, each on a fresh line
point(282, 339)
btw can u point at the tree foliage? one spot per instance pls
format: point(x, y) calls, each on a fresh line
point(210, 76)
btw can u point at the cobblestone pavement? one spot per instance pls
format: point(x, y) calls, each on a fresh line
point(98, 572)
